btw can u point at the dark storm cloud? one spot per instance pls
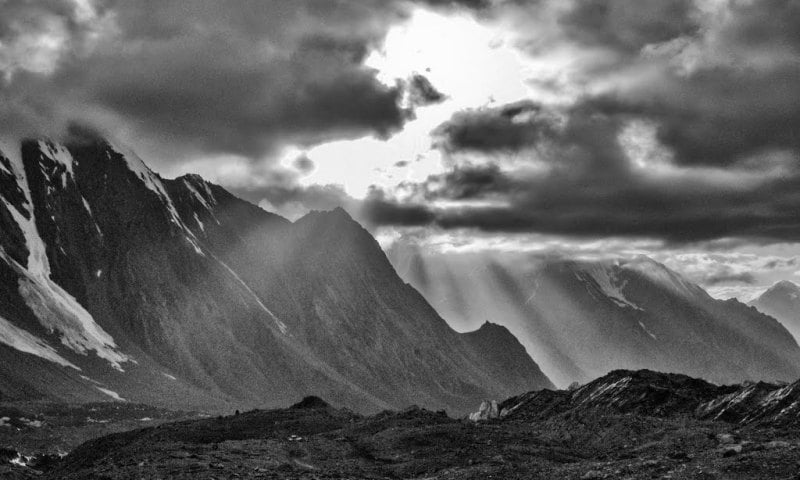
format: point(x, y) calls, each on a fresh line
point(209, 95)
point(590, 188)
point(377, 210)
point(209, 77)
point(720, 116)
point(628, 26)
point(718, 94)
point(303, 164)
point(422, 92)
point(511, 127)
point(472, 182)
point(677, 221)
point(736, 99)
point(473, 4)
point(726, 277)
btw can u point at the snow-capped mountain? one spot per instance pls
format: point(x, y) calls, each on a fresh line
point(582, 319)
point(118, 284)
point(782, 301)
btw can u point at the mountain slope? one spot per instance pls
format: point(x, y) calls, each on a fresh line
point(581, 320)
point(782, 301)
point(115, 283)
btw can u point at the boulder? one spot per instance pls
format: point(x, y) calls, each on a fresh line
point(487, 411)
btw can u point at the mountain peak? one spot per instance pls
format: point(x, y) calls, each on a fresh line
point(783, 286)
point(192, 178)
point(337, 218)
point(310, 402)
point(337, 213)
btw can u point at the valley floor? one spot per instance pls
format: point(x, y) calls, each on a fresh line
point(315, 441)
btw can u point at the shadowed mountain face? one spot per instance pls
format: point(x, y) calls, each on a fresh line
point(580, 320)
point(115, 283)
point(782, 301)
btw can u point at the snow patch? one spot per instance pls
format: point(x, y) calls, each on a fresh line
point(193, 242)
point(608, 388)
point(86, 205)
point(281, 326)
point(91, 214)
point(111, 394)
point(90, 379)
point(24, 341)
point(603, 275)
point(661, 275)
point(31, 423)
point(199, 223)
point(60, 155)
point(197, 194)
point(56, 309)
point(647, 331)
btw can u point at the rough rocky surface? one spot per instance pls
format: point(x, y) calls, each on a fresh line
point(38, 434)
point(640, 428)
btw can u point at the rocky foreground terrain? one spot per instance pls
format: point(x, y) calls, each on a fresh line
point(624, 425)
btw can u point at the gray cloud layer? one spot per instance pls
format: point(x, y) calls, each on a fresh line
point(204, 77)
point(718, 91)
point(714, 84)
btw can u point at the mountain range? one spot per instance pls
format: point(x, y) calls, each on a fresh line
point(582, 319)
point(116, 284)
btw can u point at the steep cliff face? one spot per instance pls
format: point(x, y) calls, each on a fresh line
point(117, 283)
point(582, 319)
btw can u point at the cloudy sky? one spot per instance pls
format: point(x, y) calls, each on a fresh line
point(589, 128)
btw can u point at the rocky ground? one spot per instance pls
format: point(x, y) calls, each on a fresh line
point(39, 434)
point(625, 425)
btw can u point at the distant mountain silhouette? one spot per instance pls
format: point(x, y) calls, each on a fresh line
point(782, 301)
point(582, 319)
